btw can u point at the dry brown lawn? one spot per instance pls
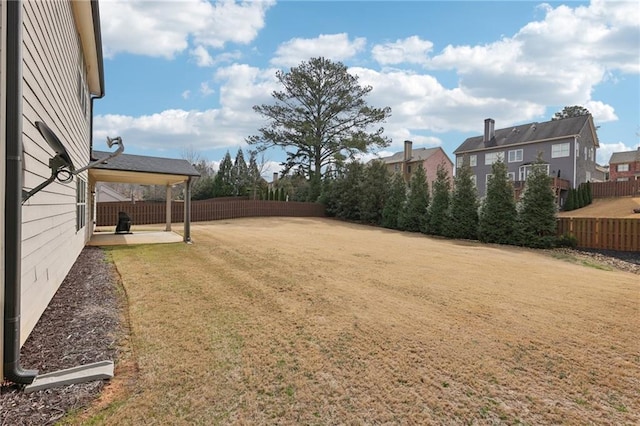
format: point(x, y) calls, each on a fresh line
point(314, 321)
point(621, 207)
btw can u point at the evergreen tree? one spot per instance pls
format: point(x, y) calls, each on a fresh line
point(438, 210)
point(463, 208)
point(537, 216)
point(346, 194)
point(240, 174)
point(414, 216)
point(254, 178)
point(589, 193)
point(223, 182)
point(396, 197)
point(570, 204)
point(580, 197)
point(373, 191)
point(498, 216)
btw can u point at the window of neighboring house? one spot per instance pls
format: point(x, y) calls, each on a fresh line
point(577, 149)
point(396, 167)
point(591, 153)
point(511, 176)
point(526, 170)
point(585, 153)
point(473, 160)
point(492, 157)
point(623, 179)
point(409, 168)
point(515, 155)
point(81, 203)
point(623, 167)
point(560, 150)
point(474, 180)
point(459, 159)
point(487, 178)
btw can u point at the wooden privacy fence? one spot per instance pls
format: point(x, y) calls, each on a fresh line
point(149, 212)
point(602, 233)
point(629, 188)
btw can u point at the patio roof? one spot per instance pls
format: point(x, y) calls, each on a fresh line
point(142, 169)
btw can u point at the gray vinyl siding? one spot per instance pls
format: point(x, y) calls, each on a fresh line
point(2, 161)
point(563, 165)
point(51, 58)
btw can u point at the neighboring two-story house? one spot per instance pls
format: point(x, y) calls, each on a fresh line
point(568, 148)
point(406, 161)
point(624, 166)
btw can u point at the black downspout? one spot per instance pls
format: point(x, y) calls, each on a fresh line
point(13, 200)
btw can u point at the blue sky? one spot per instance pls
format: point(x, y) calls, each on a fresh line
point(183, 75)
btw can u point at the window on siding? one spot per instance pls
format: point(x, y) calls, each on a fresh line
point(623, 167)
point(526, 170)
point(473, 160)
point(560, 150)
point(492, 157)
point(487, 178)
point(515, 155)
point(459, 159)
point(81, 203)
point(409, 168)
point(474, 179)
point(396, 167)
point(511, 176)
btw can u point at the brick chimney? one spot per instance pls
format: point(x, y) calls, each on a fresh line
point(407, 150)
point(275, 177)
point(489, 129)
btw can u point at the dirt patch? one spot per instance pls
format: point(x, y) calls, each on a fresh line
point(81, 325)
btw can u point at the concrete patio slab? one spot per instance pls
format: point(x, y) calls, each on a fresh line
point(142, 237)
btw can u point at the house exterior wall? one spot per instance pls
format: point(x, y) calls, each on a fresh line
point(2, 161)
point(632, 174)
point(430, 165)
point(55, 91)
point(562, 167)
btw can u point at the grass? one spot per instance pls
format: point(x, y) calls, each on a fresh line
point(312, 321)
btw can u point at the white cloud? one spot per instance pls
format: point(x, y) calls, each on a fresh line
point(205, 89)
point(603, 154)
point(186, 94)
point(201, 56)
point(556, 61)
point(337, 47)
point(163, 28)
point(412, 50)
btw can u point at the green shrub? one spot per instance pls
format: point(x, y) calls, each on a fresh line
point(567, 240)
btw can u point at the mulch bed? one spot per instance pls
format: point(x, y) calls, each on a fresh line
point(81, 325)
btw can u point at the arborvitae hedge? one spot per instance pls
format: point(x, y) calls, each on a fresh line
point(414, 215)
point(498, 216)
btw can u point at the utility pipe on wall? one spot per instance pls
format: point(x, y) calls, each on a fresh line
point(13, 199)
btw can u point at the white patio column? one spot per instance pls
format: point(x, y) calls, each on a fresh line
point(168, 227)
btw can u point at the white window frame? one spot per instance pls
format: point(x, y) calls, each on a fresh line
point(561, 150)
point(474, 180)
point(524, 171)
point(622, 179)
point(517, 155)
point(511, 176)
point(622, 167)
point(473, 160)
point(81, 203)
point(459, 159)
point(492, 157)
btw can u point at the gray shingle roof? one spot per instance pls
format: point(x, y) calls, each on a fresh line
point(417, 154)
point(530, 132)
point(145, 164)
point(625, 157)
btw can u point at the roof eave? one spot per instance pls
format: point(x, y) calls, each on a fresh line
point(87, 18)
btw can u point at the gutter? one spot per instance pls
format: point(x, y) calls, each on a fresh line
point(95, 16)
point(13, 199)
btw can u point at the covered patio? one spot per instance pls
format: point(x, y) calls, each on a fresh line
point(144, 170)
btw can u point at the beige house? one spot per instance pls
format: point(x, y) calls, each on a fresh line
point(406, 161)
point(51, 70)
